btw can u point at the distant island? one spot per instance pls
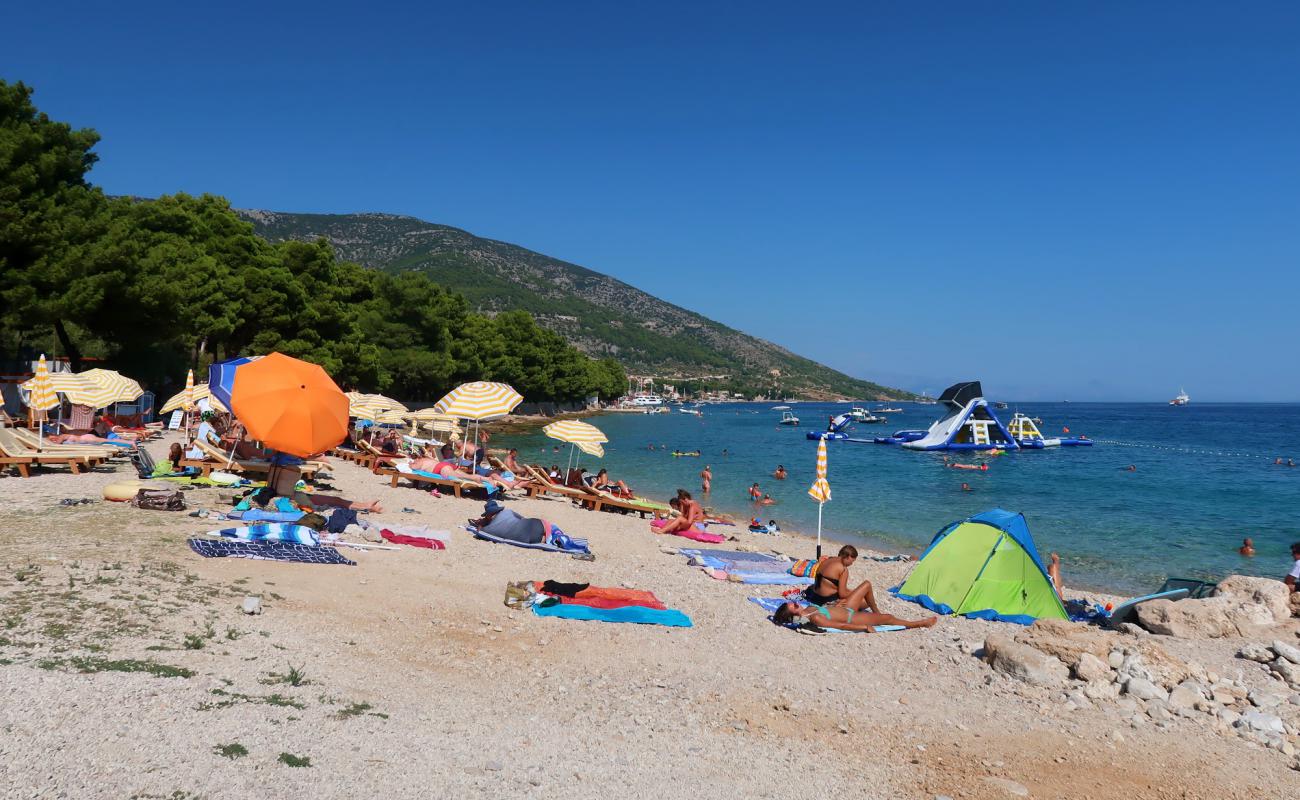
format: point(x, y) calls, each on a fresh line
point(602, 316)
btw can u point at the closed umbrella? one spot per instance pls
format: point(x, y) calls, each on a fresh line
point(480, 400)
point(290, 405)
point(820, 490)
point(41, 397)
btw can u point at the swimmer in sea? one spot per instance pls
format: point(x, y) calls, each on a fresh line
point(1131, 468)
point(1247, 548)
point(965, 487)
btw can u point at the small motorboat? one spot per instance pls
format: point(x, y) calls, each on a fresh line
point(692, 411)
point(1001, 405)
point(788, 418)
point(886, 411)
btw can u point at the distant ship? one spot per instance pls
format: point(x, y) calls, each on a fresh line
point(1182, 399)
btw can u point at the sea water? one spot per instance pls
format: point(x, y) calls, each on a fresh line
point(1204, 479)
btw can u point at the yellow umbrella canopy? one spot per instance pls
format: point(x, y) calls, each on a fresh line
point(368, 406)
point(116, 386)
point(177, 401)
point(479, 401)
point(430, 414)
point(391, 418)
point(575, 432)
point(75, 389)
point(189, 390)
point(591, 448)
point(41, 396)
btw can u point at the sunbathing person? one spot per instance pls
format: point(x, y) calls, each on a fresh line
point(843, 617)
point(478, 456)
point(601, 482)
point(448, 466)
point(512, 462)
point(88, 438)
point(689, 513)
point(506, 524)
point(832, 584)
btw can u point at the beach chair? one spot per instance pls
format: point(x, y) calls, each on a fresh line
point(371, 457)
point(217, 459)
point(98, 453)
point(456, 486)
point(605, 500)
point(547, 486)
point(14, 453)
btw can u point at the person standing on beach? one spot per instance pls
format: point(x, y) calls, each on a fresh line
point(1293, 577)
point(706, 479)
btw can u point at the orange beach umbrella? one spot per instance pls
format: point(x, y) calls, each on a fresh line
point(290, 405)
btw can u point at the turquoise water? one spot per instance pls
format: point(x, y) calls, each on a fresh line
point(1205, 479)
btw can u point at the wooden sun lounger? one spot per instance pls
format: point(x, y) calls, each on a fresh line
point(216, 459)
point(457, 486)
point(14, 453)
point(545, 485)
point(603, 500)
point(371, 457)
point(96, 452)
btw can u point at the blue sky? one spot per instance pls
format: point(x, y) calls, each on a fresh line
point(1097, 201)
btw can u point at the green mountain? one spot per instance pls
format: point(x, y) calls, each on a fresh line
point(600, 315)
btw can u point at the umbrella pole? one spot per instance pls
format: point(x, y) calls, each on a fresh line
point(819, 530)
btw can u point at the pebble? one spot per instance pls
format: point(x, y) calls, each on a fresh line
point(252, 605)
point(1115, 659)
point(1144, 689)
point(1009, 786)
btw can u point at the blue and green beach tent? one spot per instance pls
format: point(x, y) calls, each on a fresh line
point(985, 567)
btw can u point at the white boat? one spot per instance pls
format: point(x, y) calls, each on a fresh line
point(864, 416)
point(780, 408)
point(1182, 399)
point(645, 399)
point(787, 418)
point(692, 411)
point(886, 411)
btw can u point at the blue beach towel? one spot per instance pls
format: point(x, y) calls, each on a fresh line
point(258, 515)
point(769, 578)
point(771, 604)
point(743, 567)
point(638, 614)
point(272, 532)
point(573, 545)
point(267, 551)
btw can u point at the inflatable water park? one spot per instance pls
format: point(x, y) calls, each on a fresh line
point(969, 422)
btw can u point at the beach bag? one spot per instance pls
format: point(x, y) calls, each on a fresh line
point(159, 499)
point(805, 568)
point(314, 521)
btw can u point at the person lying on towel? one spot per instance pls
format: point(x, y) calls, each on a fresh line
point(831, 581)
point(843, 616)
point(504, 523)
point(447, 466)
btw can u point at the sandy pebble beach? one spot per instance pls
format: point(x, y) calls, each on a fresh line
point(407, 676)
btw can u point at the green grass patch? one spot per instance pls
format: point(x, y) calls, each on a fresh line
point(89, 664)
point(231, 751)
point(294, 677)
point(290, 760)
point(358, 709)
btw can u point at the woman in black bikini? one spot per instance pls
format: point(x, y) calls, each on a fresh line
point(832, 580)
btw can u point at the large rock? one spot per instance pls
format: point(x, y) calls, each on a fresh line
point(1241, 606)
point(1144, 689)
point(1090, 668)
point(1065, 640)
point(1273, 595)
point(1288, 672)
point(1004, 654)
point(1254, 651)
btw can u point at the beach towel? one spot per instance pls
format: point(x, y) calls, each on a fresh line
point(568, 545)
point(735, 560)
point(637, 614)
point(768, 578)
point(258, 515)
point(804, 568)
point(267, 551)
point(599, 596)
point(413, 541)
point(271, 532)
point(771, 604)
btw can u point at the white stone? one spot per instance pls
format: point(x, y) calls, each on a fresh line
point(1286, 671)
point(1101, 690)
point(252, 605)
point(1228, 717)
point(1024, 662)
point(1144, 689)
point(1260, 699)
point(1260, 722)
point(1289, 652)
point(1009, 786)
point(1183, 697)
point(1115, 658)
point(1254, 651)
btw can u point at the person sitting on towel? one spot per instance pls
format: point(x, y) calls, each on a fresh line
point(689, 515)
point(832, 583)
point(843, 616)
point(504, 523)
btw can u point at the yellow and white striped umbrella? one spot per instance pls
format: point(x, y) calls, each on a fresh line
point(177, 401)
point(391, 418)
point(189, 390)
point(117, 387)
point(821, 489)
point(430, 414)
point(591, 448)
point(76, 389)
point(574, 432)
point(479, 400)
point(368, 406)
point(41, 395)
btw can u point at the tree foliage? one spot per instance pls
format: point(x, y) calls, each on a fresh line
point(158, 286)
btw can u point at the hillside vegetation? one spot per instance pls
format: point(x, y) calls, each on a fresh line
point(602, 316)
